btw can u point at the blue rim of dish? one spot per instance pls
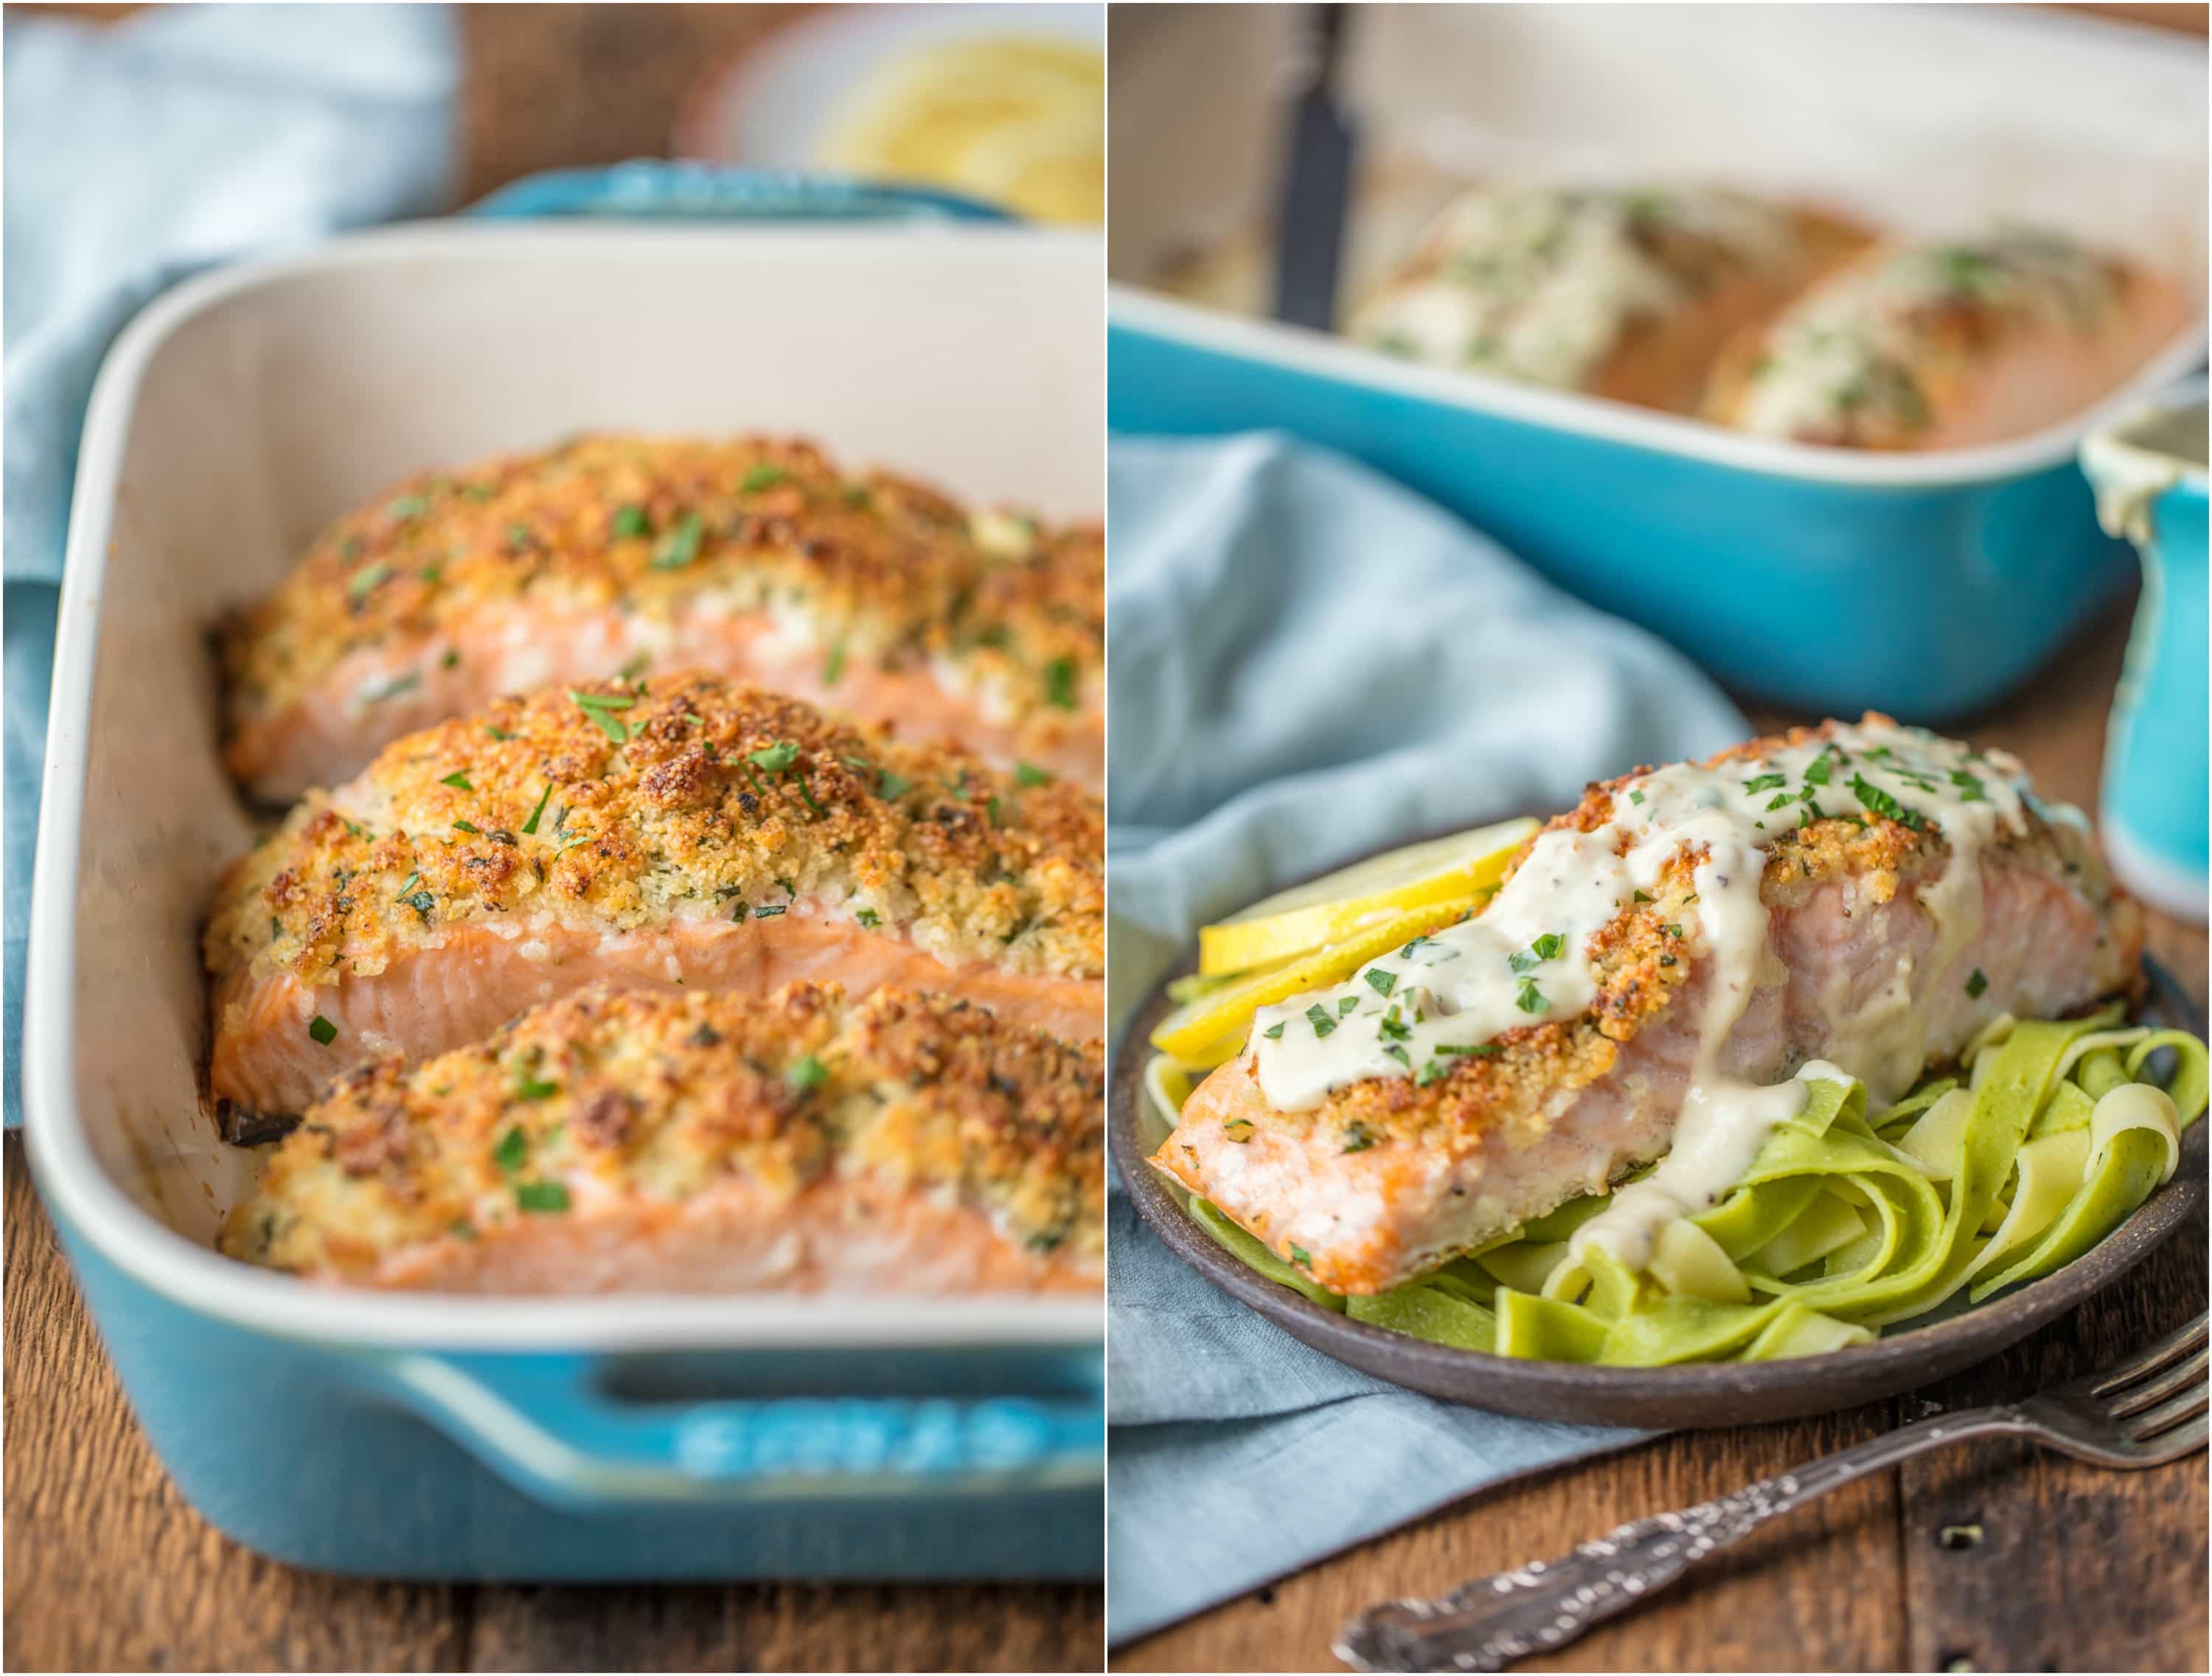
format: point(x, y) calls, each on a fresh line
point(656, 189)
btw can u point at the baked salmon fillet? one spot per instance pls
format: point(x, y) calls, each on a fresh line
point(1948, 344)
point(702, 1142)
point(1653, 973)
point(756, 558)
point(1629, 295)
point(680, 830)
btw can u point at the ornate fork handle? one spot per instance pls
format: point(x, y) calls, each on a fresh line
point(1490, 1621)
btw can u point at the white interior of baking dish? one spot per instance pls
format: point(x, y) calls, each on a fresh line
point(1922, 119)
point(242, 411)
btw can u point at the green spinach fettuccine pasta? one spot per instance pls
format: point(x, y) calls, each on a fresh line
point(1847, 1221)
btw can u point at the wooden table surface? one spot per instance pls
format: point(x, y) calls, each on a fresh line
point(2076, 1569)
point(107, 1567)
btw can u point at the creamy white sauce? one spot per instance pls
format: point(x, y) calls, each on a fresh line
point(2131, 467)
point(1526, 958)
point(1538, 283)
point(1854, 343)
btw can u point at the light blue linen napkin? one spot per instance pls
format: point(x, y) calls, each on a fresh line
point(138, 153)
point(1308, 663)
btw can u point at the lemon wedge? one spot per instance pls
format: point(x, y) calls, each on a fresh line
point(1020, 120)
point(1209, 1029)
point(1343, 903)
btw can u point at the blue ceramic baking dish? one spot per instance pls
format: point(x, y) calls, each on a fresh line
point(640, 1438)
point(1829, 582)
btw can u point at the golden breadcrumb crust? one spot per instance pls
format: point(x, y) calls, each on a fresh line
point(617, 806)
point(878, 566)
point(663, 1096)
point(1644, 955)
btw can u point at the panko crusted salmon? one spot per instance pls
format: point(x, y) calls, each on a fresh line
point(1919, 344)
point(696, 1141)
point(756, 558)
point(1653, 973)
point(679, 830)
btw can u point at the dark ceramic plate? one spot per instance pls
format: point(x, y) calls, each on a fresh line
point(1718, 1394)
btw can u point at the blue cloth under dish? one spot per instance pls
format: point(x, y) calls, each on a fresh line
point(139, 153)
point(1309, 663)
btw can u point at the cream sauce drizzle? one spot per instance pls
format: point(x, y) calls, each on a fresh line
point(1537, 283)
point(1855, 341)
point(1526, 958)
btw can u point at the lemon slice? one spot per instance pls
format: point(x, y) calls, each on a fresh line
point(1208, 1030)
point(1330, 909)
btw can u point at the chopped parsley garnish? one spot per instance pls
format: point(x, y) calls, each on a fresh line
point(421, 901)
point(1357, 1137)
point(1432, 1069)
point(1401, 1055)
point(1970, 788)
point(406, 507)
point(322, 1030)
point(541, 1195)
point(529, 1087)
point(1060, 683)
point(1779, 800)
point(363, 582)
point(1318, 1016)
point(1976, 984)
point(512, 1150)
point(681, 545)
point(1299, 1256)
point(1379, 981)
point(890, 786)
point(458, 780)
point(1471, 1047)
point(631, 524)
point(530, 826)
point(1026, 776)
point(836, 666)
point(809, 1073)
point(1816, 771)
point(774, 758)
point(761, 478)
point(991, 808)
point(1393, 1028)
point(601, 707)
point(466, 826)
point(1642, 897)
point(1766, 782)
point(869, 918)
point(1237, 1129)
point(1530, 999)
point(1545, 948)
point(769, 912)
point(1273, 1032)
point(1874, 798)
point(405, 885)
point(1635, 797)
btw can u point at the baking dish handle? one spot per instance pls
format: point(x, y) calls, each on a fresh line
point(544, 1423)
point(656, 189)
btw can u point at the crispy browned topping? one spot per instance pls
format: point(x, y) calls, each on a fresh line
point(616, 807)
point(1650, 952)
point(663, 1096)
point(876, 566)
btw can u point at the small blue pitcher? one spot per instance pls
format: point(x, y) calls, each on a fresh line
point(2148, 471)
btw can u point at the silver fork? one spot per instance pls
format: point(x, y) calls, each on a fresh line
point(2148, 1409)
